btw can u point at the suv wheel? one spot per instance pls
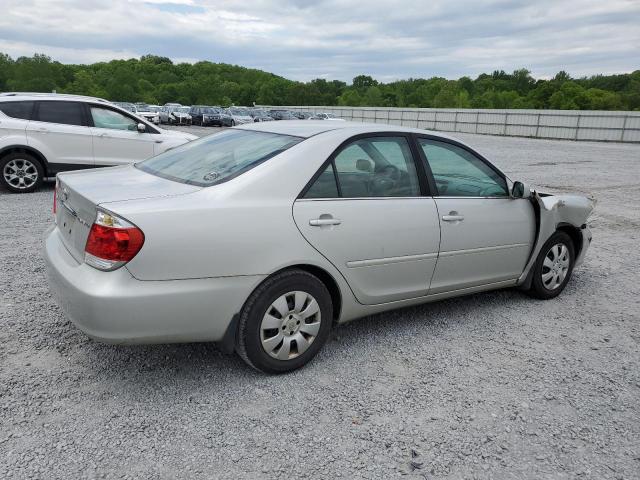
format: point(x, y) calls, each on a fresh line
point(21, 172)
point(285, 322)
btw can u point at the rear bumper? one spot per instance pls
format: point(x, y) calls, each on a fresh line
point(114, 307)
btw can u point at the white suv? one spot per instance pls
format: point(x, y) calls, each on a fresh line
point(43, 134)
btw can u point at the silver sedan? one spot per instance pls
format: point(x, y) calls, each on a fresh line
point(262, 237)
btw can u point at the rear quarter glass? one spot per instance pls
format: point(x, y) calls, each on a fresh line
point(22, 109)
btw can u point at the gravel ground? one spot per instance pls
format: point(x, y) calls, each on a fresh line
point(494, 385)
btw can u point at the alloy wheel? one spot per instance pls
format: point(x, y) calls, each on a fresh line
point(290, 325)
point(20, 173)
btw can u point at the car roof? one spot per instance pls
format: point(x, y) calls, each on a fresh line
point(12, 96)
point(309, 128)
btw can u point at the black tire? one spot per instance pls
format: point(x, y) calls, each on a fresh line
point(233, 123)
point(248, 338)
point(19, 159)
point(538, 288)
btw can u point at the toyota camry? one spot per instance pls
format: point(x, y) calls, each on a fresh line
point(263, 237)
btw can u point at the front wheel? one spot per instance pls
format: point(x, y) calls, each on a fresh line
point(553, 267)
point(285, 322)
point(21, 173)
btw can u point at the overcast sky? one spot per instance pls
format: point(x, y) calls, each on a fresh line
point(305, 39)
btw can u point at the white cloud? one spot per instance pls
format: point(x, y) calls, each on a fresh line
point(305, 39)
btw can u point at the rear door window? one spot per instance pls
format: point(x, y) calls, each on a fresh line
point(65, 113)
point(22, 110)
point(325, 185)
point(369, 167)
point(377, 167)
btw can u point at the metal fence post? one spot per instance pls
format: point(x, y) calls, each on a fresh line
point(538, 126)
point(455, 122)
point(477, 120)
point(624, 127)
point(577, 127)
point(506, 119)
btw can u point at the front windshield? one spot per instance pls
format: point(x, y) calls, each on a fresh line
point(182, 109)
point(143, 108)
point(217, 158)
point(239, 111)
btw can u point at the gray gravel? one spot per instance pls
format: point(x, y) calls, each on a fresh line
point(494, 385)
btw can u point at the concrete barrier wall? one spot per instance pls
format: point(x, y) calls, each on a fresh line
point(557, 124)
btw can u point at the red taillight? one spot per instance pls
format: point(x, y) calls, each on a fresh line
point(112, 242)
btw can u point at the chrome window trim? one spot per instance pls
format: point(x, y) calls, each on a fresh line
point(435, 197)
point(479, 198)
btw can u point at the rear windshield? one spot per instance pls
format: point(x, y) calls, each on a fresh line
point(217, 158)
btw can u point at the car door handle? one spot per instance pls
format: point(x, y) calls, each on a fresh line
point(324, 221)
point(104, 135)
point(453, 217)
point(43, 130)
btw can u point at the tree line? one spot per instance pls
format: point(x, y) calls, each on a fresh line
point(157, 80)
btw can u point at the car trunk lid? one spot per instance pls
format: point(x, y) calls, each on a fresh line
point(79, 194)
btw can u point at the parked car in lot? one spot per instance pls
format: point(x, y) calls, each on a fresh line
point(263, 237)
point(239, 115)
point(278, 114)
point(175, 115)
point(148, 112)
point(300, 115)
point(260, 115)
point(326, 116)
point(129, 107)
point(44, 134)
point(210, 116)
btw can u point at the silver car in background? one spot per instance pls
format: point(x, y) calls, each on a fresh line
point(174, 115)
point(264, 236)
point(326, 116)
point(148, 112)
point(239, 115)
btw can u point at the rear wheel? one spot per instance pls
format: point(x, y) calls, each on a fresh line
point(21, 172)
point(553, 267)
point(285, 322)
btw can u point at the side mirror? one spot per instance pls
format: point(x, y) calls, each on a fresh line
point(520, 190)
point(142, 128)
